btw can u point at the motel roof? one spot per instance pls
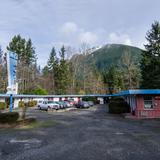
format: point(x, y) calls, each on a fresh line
point(139, 92)
point(123, 93)
point(51, 96)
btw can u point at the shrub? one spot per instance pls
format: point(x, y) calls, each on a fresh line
point(9, 117)
point(39, 91)
point(94, 99)
point(118, 106)
point(117, 99)
point(32, 103)
point(3, 105)
point(21, 104)
point(89, 99)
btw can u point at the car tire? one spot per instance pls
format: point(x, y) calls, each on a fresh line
point(47, 109)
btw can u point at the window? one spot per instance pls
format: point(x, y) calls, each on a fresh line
point(148, 102)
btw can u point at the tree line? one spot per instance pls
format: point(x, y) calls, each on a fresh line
point(74, 75)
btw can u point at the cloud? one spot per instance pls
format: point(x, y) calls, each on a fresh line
point(69, 28)
point(73, 33)
point(88, 37)
point(120, 38)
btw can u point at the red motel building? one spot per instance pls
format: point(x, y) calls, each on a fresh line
point(144, 103)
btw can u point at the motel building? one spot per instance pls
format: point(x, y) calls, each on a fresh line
point(144, 103)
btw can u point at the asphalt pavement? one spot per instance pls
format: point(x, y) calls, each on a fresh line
point(87, 134)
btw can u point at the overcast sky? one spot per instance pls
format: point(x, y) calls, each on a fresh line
point(71, 22)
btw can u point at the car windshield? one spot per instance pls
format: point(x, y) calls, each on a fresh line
point(49, 102)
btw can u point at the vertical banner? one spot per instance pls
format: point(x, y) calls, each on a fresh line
point(12, 68)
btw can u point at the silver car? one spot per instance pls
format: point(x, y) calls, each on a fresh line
point(46, 105)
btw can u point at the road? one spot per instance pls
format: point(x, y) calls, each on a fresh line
point(90, 134)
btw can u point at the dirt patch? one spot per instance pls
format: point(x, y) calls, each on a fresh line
point(28, 123)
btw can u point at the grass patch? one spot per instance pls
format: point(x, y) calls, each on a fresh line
point(36, 125)
point(29, 123)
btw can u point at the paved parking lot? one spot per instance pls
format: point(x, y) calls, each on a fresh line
point(89, 134)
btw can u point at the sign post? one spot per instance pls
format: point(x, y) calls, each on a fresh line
point(12, 78)
point(11, 103)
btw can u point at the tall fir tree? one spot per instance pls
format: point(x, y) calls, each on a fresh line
point(30, 55)
point(17, 45)
point(26, 69)
point(62, 76)
point(113, 80)
point(23, 48)
point(51, 69)
point(150, 63)
point(1, 55)
point(45, 71)
point(52, 60)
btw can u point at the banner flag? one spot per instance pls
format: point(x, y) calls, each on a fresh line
point(12, 69)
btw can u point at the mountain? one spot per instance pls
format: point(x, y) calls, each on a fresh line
point(87, 68)
point(111, 54)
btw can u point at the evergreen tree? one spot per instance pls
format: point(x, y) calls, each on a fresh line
point(62, 53)
point(30, 56)
point(1, 55)
point(3, 73)
point(51, 69)
point(52, 60)
point(62, 75)
point(113, 80)
point(27, 67)
point(24, 49)
point(17, 45)
point(45, 71)
point(150, 63)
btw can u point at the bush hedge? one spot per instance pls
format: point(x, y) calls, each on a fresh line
point(9, 117)
point(118, 106)
point(28, 104)
point(21, 104)
point(32, 103)
point(117, 99)
point(3, 105)
point(93, 99)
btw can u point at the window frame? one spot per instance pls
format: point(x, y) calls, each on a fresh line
point(148, 100)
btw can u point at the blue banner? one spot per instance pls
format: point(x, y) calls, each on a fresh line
point(11, 65)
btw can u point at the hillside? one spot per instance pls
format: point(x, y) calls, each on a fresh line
point(87, 69)
point(111, 54)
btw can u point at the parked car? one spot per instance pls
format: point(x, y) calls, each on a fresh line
point(53, 105)
point(71, 102)
point(91, 103)
point(61, 104)
point(82, 104)
point(67, 104)
point(46, 105)
point(39, 103)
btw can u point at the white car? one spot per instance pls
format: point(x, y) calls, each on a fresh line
point(46, 105)
point(39, 103)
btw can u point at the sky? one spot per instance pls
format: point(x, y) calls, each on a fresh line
point(73, 22)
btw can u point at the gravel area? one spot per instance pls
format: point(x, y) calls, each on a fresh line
point(82, 134)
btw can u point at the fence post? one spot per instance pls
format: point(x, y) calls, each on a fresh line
point(11, 103)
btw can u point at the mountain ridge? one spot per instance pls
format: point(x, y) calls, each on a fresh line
point(111, 54)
